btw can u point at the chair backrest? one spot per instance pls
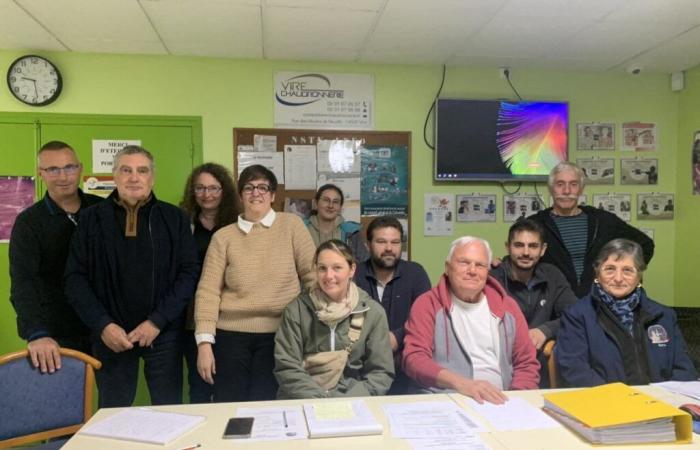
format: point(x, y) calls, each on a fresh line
point(548, 351)
point(36, 406)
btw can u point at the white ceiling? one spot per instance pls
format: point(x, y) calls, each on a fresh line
point(587, 35)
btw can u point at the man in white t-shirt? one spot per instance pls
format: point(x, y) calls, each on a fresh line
point(466, 334)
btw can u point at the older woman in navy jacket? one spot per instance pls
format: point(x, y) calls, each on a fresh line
point(617, 333)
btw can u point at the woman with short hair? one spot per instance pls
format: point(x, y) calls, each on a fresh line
point(617, 333)
point(334, 339)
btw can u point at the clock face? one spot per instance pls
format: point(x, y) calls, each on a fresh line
point(34, 80)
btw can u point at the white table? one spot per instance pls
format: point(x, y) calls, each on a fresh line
point(217, 414)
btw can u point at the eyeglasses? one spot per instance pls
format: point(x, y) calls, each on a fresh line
point(69, 169)
point(199, 189)
point(262, 188)
point(334, 202)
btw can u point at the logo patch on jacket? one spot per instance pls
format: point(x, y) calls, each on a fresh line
point(657, 334)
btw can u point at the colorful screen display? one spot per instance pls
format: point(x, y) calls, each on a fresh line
point(499, 140)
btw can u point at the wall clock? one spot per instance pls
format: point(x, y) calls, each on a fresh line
point(34, 80)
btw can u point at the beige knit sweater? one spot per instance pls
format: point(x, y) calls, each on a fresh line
point(248, 279)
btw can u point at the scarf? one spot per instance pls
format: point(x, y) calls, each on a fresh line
point(331, 312)
point(622, 308)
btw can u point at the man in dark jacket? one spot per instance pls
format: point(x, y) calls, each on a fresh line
point(38, 252)
point(575, 233)
point(393, 282)
point(131, 271)
point(540, 289)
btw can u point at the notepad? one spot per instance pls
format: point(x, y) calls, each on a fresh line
point(143, 425)
point(341, 418)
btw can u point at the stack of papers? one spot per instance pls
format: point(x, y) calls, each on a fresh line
point(688, 388)
point(340, 418)
point(617, 414)
point(275, 423)
point(143, 425)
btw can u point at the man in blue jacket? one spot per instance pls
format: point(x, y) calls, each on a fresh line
point(391, 281)
point(131, 271)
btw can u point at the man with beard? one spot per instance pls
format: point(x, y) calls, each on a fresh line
point(539, 288)
point(575, 233)
point(391, 281)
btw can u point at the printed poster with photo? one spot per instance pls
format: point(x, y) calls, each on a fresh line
point(438, 219)
point(639, 136)
point(639, 171)
point(597, 171)
point(384, 181)
point(16, 195)
point(655, 206)
point(595, 136)
point(618, 204)
point(476, 208)
point(520, 206)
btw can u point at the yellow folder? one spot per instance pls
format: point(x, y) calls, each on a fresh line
point(617, 404)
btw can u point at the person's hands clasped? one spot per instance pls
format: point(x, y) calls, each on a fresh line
point(144, 334)
point(206, 365)
point(115, 338)
point(537, 337)
point(481, 391)
point(45, 355)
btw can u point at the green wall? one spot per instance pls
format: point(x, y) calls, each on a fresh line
point(687, 246)
point(238, 93)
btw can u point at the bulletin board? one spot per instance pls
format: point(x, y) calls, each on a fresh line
point(385, 158)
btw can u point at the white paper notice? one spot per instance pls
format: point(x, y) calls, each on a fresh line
point(339, 155)
point(429, 420)
point(103, 151)
point(272, 160)
point(439, 212)
point(300, 167)
point(509, 416)
point(275, 423)
point(264, 143)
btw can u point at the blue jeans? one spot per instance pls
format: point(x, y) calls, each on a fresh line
point(118, 377)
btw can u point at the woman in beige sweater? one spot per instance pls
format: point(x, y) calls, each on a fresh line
point(251, 272)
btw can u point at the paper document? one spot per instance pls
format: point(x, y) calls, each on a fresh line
point(514, 415)
point(470, 442)
point(144, 425)
point(300, 167)
point(688, 388)
point(340, 418)
point(275, 423)
point(429, 420)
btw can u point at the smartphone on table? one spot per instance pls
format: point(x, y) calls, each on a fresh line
point(239, 428)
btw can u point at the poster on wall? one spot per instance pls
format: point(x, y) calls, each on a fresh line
point(438, 219)
point(103, 151)
point(299, 167)
point(639, 171)
point(476, 208)
point(638, 136)
point(597, 170)
point(384, 180)
point(595, 136)
point(655, 206)
point(696, 163)
point(100, 185)
point(340, 101)
point(618, 204)
point(16, 195)
point(520, 206)
point(273, 161)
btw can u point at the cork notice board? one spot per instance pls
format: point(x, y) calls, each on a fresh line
point(377, 184)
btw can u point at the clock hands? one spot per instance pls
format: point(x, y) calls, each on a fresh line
point(36, 92)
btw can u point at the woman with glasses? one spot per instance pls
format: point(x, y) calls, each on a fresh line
point(251, 272)
point(617, 333)
point(334, 339)
point(326, 222)
point(211, 201)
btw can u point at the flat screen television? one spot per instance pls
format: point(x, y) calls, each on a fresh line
point(495, 140)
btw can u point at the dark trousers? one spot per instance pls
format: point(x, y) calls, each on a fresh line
point(118, 377)
point(80, 343)
point(200, 390)
point(244, 364)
